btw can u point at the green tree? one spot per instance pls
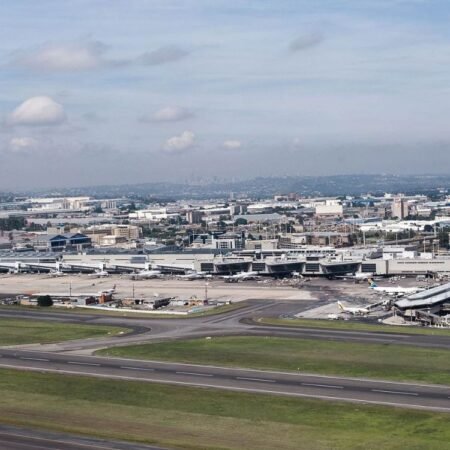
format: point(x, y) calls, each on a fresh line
point(12, 223)
point(240, 221)
point(44, 301)
point(443, 237)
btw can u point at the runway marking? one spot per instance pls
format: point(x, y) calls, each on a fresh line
point(53, 441)
point(330, 386)
point(274, 372)
point(231, 388)
point(394, 392)
point(29, 445)
point(137, 368)
point(263, 380)
point(34, 359)
point(82, 363)
point(195, 373)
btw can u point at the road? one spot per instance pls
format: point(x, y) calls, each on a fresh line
point(14, 438)
point(237, 322)
point(426, 397)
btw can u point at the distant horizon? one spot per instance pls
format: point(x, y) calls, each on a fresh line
point(407, 180)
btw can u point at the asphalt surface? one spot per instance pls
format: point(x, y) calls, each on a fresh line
point(434, 398)
point(75, 357)
point(15, 438)
point(237, 322)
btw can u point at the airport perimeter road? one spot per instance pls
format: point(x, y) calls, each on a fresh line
point(409, 395)
point(14, 438)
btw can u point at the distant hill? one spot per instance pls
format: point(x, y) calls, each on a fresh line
point(268, 186)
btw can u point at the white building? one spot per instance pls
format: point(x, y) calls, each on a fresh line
point(329, 209)
point(153, 214)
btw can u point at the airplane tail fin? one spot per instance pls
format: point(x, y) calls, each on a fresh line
point(341, 306)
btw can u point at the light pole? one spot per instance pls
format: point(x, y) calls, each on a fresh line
point(206, 293)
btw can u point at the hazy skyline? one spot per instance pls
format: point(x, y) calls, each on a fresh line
point(105, 92)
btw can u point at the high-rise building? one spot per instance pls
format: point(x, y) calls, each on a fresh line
point(399, 208)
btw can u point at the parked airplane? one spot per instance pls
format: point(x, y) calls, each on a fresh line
point(358, 276)
point(242, 276)
point(109, 291)
point(194, 276)
point(146, 274)
point(99, 274)
point(57, 273)
point(395, 291)
point(356, 311)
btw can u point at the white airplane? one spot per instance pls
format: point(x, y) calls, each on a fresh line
point(99, 274)
point(395, 291)
point(356, 311)
point(146, 274)
point(57, 273)
point(194, 276)
point(358, 276)
point(243, 276)
point(109, 291)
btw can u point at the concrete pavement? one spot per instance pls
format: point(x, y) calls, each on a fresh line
point(237, 322)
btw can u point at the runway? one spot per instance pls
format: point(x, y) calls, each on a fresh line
point(408, 395)
point(15, 438)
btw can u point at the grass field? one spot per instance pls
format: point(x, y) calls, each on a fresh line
point(356, 326)
point(390, 362)
point(192, 418)
point(28, 331)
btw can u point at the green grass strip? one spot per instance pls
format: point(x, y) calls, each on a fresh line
point(193, 418)
point(28, 331)
point(380, 361)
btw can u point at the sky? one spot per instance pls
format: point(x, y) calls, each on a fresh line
point(113, 91)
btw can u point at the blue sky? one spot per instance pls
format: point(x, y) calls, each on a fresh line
point(111, 91)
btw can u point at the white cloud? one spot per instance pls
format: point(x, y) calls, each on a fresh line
point(170, 114)
point(305, 41)
point(40, 110)
point(22, 144)
point(232, 144)
point(63, 57)
point(164, 55)
point(184, 141)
